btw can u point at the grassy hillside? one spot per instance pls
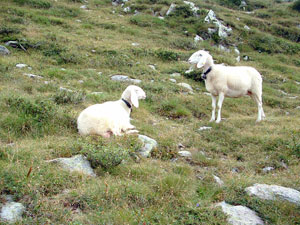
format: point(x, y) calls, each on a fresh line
point(69, 46)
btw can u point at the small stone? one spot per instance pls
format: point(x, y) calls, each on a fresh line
point(79, 21)
point(204, 128)
point(76, 163)
point(123, 78)
point(12, 211)
point(149, 145)
point(80, 81)
point(197, 38)
point(238, 59)
point(100, 73)
point(180, 145)
point(287, 113)
point(46, 82)
point(175, 75)
point(185, 85)
point(246, 58)
point(135, 44)
point(63, 69)
point(189, 70)
point(207, 93)
point(84, 7)
point(218, 180)
point(152, 67)
point(184, 153)
point(127, 9)
point(223, 48)
point(274, 192)
point(65, 89)
point(298, 107)
point(240, 215)
point(93, 51)
point(32, 75)
point(20, 65)
point(172, 80)
point(171, 9)
point(161, 17)
point(246, 27)
point(235, 170)
point(96, 93)
point(4, 50)
point(236, 50)
point(268, 169)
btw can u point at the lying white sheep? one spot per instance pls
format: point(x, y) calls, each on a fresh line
point(111, 117)
point(229, 81)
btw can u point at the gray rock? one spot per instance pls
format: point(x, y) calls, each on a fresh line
point(96, 93)
point(149, 145)
point(81, 81)
point(171, 9)
point(185, 85)
point(247, 28)
point(135, 44)
point(207, 93)
point(246, 58)
point(268, 169)
point(237, 51)
point(240, 215)
point(11, 211)
point(222, 30)
point(21, 65)
point(77, 163)
point(197, 38)
point(172, 80)
point(84, 7)
point(32, 75)
point(65, 89)
point(152, 67)
point(127, 9)
point(192, 6)
point(204, 128)
point(175, 75)
point(223, 48)
point(274, 192)
point(4, 50)
point(185, 154)
point(298, 107)
point(218, 180)
point(238, 59)
point(123, 78)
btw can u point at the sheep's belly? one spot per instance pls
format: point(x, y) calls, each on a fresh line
point(235, 93)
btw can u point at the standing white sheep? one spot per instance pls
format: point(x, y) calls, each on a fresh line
point(111, 117)
point(229, 81)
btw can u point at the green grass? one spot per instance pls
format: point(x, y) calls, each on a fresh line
point(69, 46)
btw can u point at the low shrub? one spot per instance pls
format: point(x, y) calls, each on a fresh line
point(67, 97)
point(296, 5)
point(166, 55)
point(41, 4)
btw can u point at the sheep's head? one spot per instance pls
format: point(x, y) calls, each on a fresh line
point(132, 94)
point(199, 58)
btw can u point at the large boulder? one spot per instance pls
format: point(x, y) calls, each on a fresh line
point(11, 211)
point(274, 192)
point(149, 145)
point(240, 215)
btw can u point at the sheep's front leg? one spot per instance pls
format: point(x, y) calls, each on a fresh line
point(213, 104)
point(220, 102)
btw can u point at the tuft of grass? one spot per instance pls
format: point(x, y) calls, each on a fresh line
point(41, 4)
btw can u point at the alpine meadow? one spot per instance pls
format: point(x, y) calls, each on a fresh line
point(58, 57)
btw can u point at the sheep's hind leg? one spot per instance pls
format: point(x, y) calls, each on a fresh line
point(260, 113)
point(220, 102)
point(213, 104)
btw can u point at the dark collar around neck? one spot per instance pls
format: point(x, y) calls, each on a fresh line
point(204, 75)
point(127, 103)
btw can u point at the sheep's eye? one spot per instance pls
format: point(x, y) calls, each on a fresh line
point(200, 54)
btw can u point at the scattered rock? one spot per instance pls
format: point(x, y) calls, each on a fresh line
point(274, 192)
point(127, 9)
point(81, 81)
point(223, 48)
point(171, 9)
point(223, 31)
point(65, 89)
point(240, 215)
point(4, 50)
point(293, 97)
point(149, 145)
point(185, 85)
point(20, 65)
point(135, 44)
point(123, 78)
point(193, 8)
point(32, 75)
point(175, 75)
point(235, 170)
point(268, 169)
point(246, 58)
point(84, 7)
point(218, 180)
point(238, 59)
point(76, 163)
point(11, 211)
point(204, 128)
point(247, 28)
point(185, 154)
point(152, 67)
point(96, 93)
point(197, 38)
point(237, 51)
point(172, 80)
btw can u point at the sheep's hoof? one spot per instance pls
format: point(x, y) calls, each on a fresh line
point(257, 121)
point(212, 120)
point(218, 121)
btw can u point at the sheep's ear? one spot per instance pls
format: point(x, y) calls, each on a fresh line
point(200, 64)
point(134, 99)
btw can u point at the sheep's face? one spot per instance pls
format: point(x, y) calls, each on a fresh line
point(199, 58)
point(133, 93)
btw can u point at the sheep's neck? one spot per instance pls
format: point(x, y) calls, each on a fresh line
point(209, 63)
point(127, 105)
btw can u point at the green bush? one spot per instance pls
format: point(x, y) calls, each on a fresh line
point(41, 4)
point(107, 157)
point(296, 5)
point(146, 21)
point(67, 97)
point(166, 55)
point(182, 11)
